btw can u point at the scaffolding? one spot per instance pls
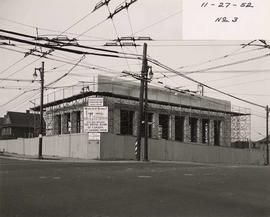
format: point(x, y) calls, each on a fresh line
point(241, 126)
point(216, 122)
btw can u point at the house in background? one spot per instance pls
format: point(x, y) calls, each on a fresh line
point(19, 125)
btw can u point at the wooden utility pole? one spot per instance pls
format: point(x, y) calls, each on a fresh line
point(146, 114)
point(267, 135)
point(141, 99)
point(41, 71)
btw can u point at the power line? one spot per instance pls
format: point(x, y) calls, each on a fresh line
point(91, 28)
point(243, 94)
point(53, 41)
point(77, 22)
point(17, 80)
point(228, 64)
point(22, 68)
point(17, 51)
point(158, 22)
point(198, 82)
point(51, 30)
point(14, 87)
point(65, 49)
point(116, 33)
point(220, 66)
point(233, 53)
point(85, 65)
point(131, 28)
point(60, 78)
point(9, 67)
point(247, 82)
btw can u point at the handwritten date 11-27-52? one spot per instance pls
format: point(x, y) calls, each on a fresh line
point(227, 5)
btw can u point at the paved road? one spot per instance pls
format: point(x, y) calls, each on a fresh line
point(58, 189)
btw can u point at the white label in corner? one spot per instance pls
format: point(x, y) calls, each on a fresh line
point(226, 20)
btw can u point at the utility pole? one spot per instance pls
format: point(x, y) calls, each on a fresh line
point(146, 113)
point(142, 88)
point(267, 135)
point(41, 71)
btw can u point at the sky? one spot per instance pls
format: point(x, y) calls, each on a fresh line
point(161, 20)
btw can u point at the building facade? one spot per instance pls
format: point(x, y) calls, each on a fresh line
point(171, 115)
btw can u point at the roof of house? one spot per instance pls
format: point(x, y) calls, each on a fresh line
point(19, 119)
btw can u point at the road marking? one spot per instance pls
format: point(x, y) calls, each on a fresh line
point(145, 177)
point(56, 177)
point(188, 174)
point(43, 177)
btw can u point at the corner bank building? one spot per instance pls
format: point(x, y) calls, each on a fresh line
point(173, 118)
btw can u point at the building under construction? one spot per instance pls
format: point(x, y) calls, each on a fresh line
point(182, 117)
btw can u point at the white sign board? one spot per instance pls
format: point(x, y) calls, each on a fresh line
point(94, 136)
point(95, 101)
point(95, 119)
point(226, 20)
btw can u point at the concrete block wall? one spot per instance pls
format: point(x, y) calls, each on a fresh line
point(64, 123)
point(116, 121)
point(155, 125)
point(135, 122)
point(211, 131)
point(73, 117)
point(199, 130)
point(172, 127)
point(186, 130)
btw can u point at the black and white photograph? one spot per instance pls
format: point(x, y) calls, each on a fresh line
point(134, 108)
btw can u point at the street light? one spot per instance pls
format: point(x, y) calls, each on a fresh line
point(41, 71)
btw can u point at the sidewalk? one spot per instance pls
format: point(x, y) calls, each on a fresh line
point(59, 159)
point(77, 160)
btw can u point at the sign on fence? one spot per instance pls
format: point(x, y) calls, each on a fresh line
point(94, 136)
point(95, 119)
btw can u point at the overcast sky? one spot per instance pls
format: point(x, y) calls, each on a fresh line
point(161, 20)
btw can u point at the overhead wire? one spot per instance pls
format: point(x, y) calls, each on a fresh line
point(159, 21)
point(117, 35)
point(13, 64)
point(50, 30)
point(246, 82)
point(61, 34)
point(132, 30)
point(201, 83)
point(61, 77)
point(65, 31)
point(226, 56)
point(220, 66)
point(228, 64)
point(19, 70)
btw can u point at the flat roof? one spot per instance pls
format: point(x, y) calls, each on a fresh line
point(119, 96)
